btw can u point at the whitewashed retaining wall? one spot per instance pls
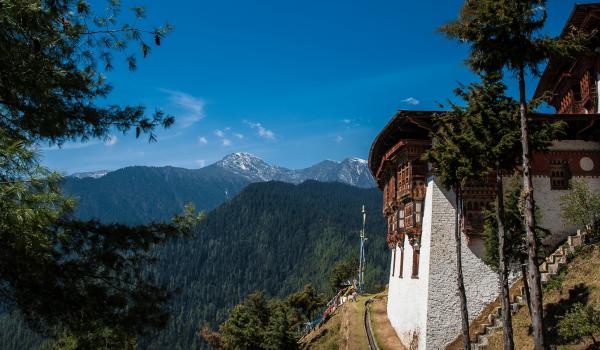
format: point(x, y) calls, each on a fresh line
point(481, 282)
point(425, 312)
point(407, 297)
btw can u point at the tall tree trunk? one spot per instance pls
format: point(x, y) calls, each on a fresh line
point(459, 273)
point(503, 264)
point(537, 311)
point(526, 286)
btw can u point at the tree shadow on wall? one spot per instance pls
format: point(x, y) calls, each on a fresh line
point(554, 312)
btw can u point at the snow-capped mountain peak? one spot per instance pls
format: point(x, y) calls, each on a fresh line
point(93, 174)
point(253, 168)
point(241, 161)
point(352, 171)
point(356, 160)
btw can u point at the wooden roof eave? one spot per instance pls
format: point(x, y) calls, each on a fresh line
point(403, 121)
point(579, 17)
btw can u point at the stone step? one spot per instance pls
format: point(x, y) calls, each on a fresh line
point(553, 268)
point(514, 307)
point(492, 318)
point(520, 299)
point(544, 276)
point(575, 241)
point(548, 268)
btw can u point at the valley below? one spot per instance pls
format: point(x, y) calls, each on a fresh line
point(259, 235)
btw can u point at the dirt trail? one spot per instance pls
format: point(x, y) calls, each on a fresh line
point(384, 333)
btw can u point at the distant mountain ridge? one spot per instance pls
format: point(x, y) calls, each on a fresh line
point(351, 171)
point(140, 194)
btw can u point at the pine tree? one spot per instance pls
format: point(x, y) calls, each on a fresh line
point(81, 281)
point(453, 166)
point(493, 123)
point(52, 82)
point(505, 34)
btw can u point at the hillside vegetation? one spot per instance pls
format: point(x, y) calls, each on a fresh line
point(274, 237)
point(578, 283)
point(139, 195)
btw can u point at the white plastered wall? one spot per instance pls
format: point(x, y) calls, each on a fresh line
point(481, 282)
point(549, 200)
point(407, 297)
point(425, 312)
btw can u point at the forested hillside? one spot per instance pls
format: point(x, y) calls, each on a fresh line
point(274, 237)
point(139, 194)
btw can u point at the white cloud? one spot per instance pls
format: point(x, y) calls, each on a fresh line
point(239, 136)
point(219, 133)
point(201, 163)
point(339, 139)
point(262, 131)
point(111, 140)
point(347, 121)
point(411, 101)
point(202, 140)
point(226, 142)
point(192, 107)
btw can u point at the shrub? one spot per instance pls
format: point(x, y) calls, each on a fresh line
point(582, 207)
point(580, 321)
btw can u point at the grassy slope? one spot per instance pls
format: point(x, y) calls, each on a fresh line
point(579, 282)
point(345, 329)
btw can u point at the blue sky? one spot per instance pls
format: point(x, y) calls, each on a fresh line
point(291, 81)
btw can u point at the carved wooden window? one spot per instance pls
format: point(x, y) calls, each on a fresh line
point(404, 178)
point(559, 174)
point(393, 261)
point(400, 214)
point(408, 215)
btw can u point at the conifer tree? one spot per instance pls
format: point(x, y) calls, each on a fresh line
point(452, 157)
point(493, 124)
point(506, 34)
point(80, 281)
point(515, 237)
point(488, 127)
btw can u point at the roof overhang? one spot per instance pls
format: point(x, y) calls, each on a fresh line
point(403, 125)
point(584, 17)
point(412, 125)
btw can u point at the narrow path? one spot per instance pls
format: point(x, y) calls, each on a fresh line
point(372, 342)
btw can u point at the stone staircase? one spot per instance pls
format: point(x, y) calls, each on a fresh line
point(550, 267)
